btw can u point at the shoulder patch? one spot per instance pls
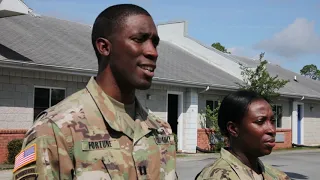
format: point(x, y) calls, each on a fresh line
point(27, 173)
point(26, 156)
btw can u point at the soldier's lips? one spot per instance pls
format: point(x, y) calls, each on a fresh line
point(147, 69)
point(270, 143)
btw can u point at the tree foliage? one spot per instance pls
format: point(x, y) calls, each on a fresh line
point(215, 137)
point(311, 71)
point(220, 47)
point(260, 81)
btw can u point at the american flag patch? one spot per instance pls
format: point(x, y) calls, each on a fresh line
point(25, 157)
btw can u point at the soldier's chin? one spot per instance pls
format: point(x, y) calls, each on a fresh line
point(144, 85)
point(267, 152)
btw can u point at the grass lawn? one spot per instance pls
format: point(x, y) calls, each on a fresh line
point(6, 166)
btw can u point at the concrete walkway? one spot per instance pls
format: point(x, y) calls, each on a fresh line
point(299, 164)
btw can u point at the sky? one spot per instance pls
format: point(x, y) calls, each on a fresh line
point(288, 31)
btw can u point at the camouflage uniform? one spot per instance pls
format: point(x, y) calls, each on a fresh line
point(228, 167)
point(81, 138)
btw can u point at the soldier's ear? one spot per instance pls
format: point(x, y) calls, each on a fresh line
point(103, 46)
point(233, 129)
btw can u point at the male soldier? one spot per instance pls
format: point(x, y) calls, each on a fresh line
point(102, 131)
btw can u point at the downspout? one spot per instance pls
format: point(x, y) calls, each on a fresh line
point(207, 89)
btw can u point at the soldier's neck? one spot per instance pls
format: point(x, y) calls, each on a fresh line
point(245, 158)
point(109, 85)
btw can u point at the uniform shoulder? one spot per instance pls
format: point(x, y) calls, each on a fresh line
point(61, 114)
point(160, 122)
point(220, 169)
point(275, 172)
point(65, 110)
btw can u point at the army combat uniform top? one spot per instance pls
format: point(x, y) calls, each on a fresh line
point(228, 167)
point(89, 136)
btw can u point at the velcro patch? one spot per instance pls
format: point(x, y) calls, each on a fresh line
point(28, 173)
point(26, 156)
point(88, 145)
point(163, 139)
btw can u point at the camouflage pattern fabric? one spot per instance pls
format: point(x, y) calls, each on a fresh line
point(228, 167)
point(80, 138)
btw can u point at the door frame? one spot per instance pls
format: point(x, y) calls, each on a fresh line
point(180, 116)
point(295, 123)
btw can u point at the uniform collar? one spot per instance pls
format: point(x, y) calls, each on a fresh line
point(238, 166)
point(147, 120)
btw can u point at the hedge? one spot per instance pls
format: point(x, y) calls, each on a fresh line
point(14, 147)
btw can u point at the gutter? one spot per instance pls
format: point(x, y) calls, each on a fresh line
point(183, 83)
point(300, 96)
point(47, 68)
point(91, 72)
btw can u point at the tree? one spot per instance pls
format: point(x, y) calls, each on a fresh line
point(311, 71)
point(219, 47)
point(216, 139)
point(260, 81)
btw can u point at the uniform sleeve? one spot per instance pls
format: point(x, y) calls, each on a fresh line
point(52, 160)
point(217, 173)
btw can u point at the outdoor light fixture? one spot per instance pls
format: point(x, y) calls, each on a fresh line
point(148, 96)
point(311, 108)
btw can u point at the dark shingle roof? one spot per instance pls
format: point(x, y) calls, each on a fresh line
point(50, 41)
point(47, 40)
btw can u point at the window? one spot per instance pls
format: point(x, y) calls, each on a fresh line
point(212, 105)
point(45, 98)
point(277, 110)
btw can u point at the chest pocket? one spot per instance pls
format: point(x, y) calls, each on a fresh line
point(167, 148)
point(154, 157)
point(101, 159)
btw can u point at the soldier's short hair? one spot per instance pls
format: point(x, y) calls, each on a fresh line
point(234, 107)
point(111, 19)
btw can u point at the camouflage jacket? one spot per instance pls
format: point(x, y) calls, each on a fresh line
point(228, 167)
point(79, 138)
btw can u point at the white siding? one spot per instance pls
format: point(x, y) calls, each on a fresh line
point(190, 121)
point(16, 94)
point(311, 123)
point(286, 112)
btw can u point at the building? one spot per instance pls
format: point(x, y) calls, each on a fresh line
point(298, 107)
point(44, 59)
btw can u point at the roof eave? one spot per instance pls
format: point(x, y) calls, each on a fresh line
point(91, 72)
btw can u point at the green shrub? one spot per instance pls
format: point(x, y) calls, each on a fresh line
point(211, 120)
point(14, 147)
point(176, 140)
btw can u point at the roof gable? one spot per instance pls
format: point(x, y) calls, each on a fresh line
point(12, 8)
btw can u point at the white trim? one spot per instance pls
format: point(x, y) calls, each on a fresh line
point(180, 118)
point(279, 104)
point(295, 122)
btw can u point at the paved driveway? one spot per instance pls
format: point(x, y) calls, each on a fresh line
point(297, 164)
point(300, 164)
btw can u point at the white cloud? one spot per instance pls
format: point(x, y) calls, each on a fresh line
point(297, 39)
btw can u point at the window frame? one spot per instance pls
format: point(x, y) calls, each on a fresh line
point(276, 107)
point(50, 93)
point(215, 104)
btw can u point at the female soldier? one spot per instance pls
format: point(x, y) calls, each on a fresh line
point(247, 120)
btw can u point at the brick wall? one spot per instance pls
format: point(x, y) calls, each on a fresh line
point(7, 135)
point(287, 139)
point(203, 140)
